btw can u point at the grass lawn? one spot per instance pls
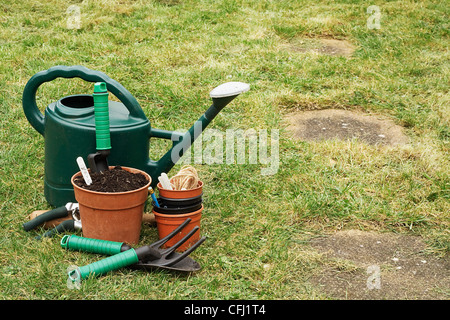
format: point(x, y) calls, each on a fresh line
point(170, 54)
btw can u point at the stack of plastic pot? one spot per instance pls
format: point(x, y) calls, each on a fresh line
point(175, 206)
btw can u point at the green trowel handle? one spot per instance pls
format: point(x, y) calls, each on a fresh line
point(101, 110)
point(74, 242)
point(34, 115)
point(103, 266)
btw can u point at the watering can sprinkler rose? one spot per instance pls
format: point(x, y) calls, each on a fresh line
point(68, 128)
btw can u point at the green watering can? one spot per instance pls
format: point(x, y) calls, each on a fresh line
point(68, 128)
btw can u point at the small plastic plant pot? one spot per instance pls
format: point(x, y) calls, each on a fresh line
point(180, 202)
point(113, 216)
point(180, 194)
point(177, 209)
point(166, 223)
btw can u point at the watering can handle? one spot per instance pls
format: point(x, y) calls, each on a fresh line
point(34, 115)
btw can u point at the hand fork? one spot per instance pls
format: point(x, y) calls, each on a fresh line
point(123, 255)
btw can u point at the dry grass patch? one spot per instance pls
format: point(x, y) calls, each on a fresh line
point(330, 47)
point(405, 267)
point(345, 125)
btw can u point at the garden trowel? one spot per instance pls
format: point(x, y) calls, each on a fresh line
point(98, 162)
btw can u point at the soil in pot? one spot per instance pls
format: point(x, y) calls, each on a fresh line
point(114, 214)
point(114, 180)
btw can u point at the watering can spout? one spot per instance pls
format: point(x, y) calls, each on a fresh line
point(221, 96)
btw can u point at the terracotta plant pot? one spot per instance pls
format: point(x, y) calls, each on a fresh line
point(180, 194)
point(113, 216)
point(166, 223)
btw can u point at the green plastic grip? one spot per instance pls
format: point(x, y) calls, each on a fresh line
point(101, 112)
point(66, 225)
point(57, 213)
point(103, 266)
point(74, 242)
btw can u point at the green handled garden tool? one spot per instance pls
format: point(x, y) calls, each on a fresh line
point(69, 210)
point(122, 255)
point(98, 162)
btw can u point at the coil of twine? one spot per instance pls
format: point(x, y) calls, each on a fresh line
point(187, 178)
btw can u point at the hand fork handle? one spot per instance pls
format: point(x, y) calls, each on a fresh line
point(103, 266)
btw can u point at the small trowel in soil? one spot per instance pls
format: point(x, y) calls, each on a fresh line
point(98, 162)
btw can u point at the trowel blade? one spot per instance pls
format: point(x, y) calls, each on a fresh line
point(98, 162)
